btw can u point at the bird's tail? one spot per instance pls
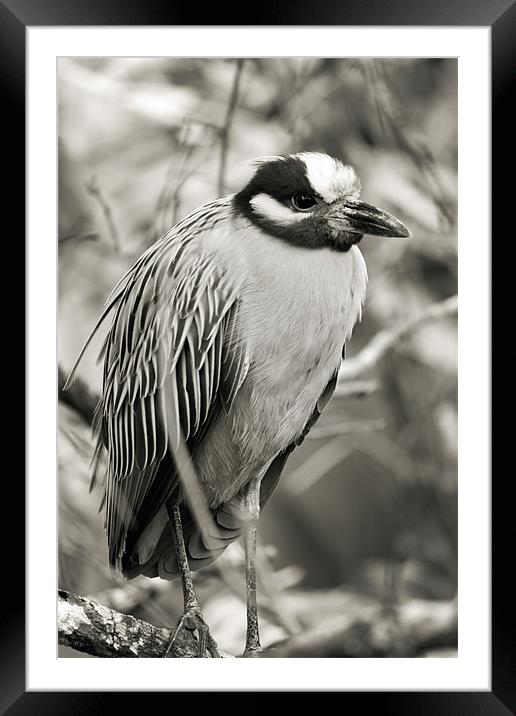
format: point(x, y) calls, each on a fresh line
point(154, 553)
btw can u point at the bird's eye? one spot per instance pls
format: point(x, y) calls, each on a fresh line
point(302, 201)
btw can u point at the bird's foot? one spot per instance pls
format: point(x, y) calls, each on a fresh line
point(252, 652)
point(193, 621)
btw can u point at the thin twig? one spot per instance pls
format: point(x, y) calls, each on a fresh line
point(78, 396)
point(94, 189)
point(389, 338)
point(175, 179)
point(317, 465)
point(394, 116)
point(274, 595)
point(226, 128)
point(166, 196)
point(358, 388)
point(130, 596)
point(349, 428)
point(79, 238)
point(271, 585)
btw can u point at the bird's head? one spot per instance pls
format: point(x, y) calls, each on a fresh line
point(312, 200)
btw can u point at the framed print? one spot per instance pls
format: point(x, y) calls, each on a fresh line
point(274, 243)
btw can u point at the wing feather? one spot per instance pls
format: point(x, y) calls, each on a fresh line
point(174, 348)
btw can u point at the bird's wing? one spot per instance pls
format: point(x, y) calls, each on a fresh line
point(174, 349)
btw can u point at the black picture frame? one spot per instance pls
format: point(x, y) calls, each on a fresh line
point(15, 17)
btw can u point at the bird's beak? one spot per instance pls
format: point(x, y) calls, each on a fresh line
point(361, 218)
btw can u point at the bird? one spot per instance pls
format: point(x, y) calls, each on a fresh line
point(223, 349)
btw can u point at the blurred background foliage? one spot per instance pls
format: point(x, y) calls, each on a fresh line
point(360, 518)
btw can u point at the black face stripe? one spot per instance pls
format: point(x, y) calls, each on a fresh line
point(280, 178)
point(311, 233)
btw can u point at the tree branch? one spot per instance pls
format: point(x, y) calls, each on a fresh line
point(384, 341)
point(226, 128)
point(408, 631)
point(89, 627)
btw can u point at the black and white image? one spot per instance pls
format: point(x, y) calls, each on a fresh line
point(257, 357)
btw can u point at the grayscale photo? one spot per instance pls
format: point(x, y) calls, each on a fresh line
point(257, 357)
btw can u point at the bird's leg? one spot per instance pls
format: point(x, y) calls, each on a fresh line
point(252, 504)
point(191, 618)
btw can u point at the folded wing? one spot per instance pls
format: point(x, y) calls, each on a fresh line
point(173, 358)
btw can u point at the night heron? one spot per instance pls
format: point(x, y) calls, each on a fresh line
point(225, 343)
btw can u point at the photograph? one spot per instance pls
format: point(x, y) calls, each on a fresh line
point(257, 354)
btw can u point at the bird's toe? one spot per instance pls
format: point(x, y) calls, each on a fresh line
point(193, 621)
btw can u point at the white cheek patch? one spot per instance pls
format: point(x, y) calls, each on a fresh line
point(275, 211)
point(330, 178)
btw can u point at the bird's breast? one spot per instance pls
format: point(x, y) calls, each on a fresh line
point(299, 306)
point(300, 303)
